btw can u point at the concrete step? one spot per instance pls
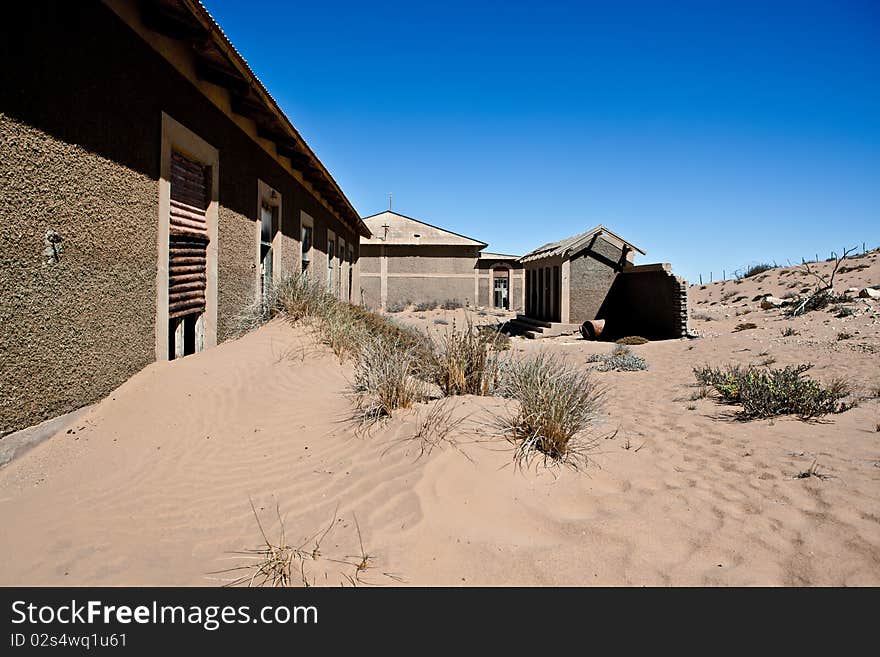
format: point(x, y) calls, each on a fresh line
point(531, 330)
point(532, 321)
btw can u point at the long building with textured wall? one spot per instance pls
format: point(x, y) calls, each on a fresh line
point(150, 188)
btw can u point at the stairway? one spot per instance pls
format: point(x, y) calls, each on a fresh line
point(538, 328)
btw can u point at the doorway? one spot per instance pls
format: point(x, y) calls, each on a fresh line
point(501, 288)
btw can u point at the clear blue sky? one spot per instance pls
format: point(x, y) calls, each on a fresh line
point(713, 135)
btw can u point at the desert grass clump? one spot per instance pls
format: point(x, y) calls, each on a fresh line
point(745, 326)
point(633, 339)
point(494, 337)
point(385, 378)
point(338, 324)
point(771, 392)
point(621, 359)
point(451, 304)
point(557, 406)
point(462, 362)
point(754, 270)
point(425, 305)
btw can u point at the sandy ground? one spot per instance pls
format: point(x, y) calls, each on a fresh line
point(152, 485)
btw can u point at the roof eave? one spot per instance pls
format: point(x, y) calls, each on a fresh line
point(200, 12)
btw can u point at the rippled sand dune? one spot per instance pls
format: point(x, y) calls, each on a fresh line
point(153, 485)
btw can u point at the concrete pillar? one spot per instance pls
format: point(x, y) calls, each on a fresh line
point(564, 291)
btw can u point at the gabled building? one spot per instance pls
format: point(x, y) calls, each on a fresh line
point(407, 261)
point(593, 276)
point(150, 189)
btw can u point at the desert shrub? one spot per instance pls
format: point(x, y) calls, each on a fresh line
point(461, 362)
point(754, 270)
point(494, 337)
point(294, 296)
point(843, 311)
point(451, 304)
point(771, 392)
point(633, 339)
point(706, 317)
point(384, 378)
point(557, 405)
point(426, 305)
point(398, 307)
point(442, 322)
point(338, 324)
point(843, 335)
point(745, 326)
point(621, 359)
point(788, 331)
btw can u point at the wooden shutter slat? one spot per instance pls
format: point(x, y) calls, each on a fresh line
point(185, 287)
point(188, 239)
point(188, 207)
point(188, 223)
point(187, 232)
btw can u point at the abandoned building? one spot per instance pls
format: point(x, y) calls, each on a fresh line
point(407, 261)
point(592, 276)
point(151, 189)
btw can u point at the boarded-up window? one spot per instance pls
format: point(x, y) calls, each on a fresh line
point(188, 244)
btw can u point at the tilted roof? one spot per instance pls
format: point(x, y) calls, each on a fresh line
point(218, 61)
point(572, 245)
point(402, 230)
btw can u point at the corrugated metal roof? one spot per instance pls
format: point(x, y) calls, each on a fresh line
point(200, 11)
point(573, 244)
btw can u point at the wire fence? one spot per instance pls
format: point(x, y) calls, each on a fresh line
point(757, 268)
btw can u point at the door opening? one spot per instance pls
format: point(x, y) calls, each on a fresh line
point(268, 224)
point(501, 289)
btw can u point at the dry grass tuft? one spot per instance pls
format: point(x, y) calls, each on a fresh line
point(279, 564)
point(745, 326)
point(462, 362)
point(633, 340)
point(557, 406)
point(385, 378)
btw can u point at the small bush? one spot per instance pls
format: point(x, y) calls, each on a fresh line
point(788, 331)
point(461, 363)
point(384, 378)
point(443, 322)
point(706, 317)
point(557, 405)
point(426, 305)
point(494, 337)
point(451, 304)
point(633, 339)
point(754, 270)
point(621, 359)
point(843, 335)
point(772, 392)
point(398, 307)
point(745, 326)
